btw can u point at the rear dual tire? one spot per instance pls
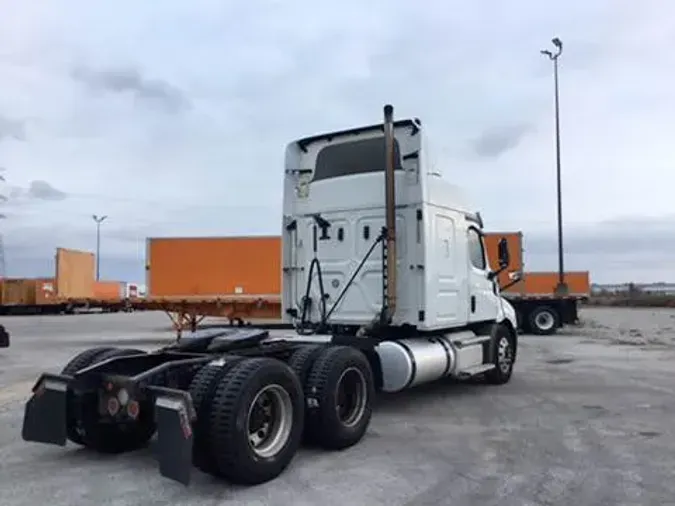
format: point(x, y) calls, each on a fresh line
point(250, 419)
point(339, 391)
point(252, 413)
point(83, 425)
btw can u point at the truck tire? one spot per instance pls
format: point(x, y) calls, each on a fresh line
point(339, 393)
point(202, 389)
point(302, 359)
point(543, 320)
point(79, 361)
point(256, 421)
point(109, 438)
point(504, 353)
point(83, 359)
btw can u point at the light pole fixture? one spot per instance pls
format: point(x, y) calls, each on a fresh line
point(98, 220)
point(561, 288)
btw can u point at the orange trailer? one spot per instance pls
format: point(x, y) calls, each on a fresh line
point(532, 294)
point(73, 286)
point(74, 274)
point(27, 291)
point(111, 291)
point(233, 277)
point(213, 266)
point(239, 278)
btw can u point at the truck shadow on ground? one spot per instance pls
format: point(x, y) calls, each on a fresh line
point(433, 391)
point(145, 461)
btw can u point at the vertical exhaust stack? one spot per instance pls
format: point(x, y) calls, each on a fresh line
point(390, 211)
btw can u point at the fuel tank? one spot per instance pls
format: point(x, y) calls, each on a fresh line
point(410, 362)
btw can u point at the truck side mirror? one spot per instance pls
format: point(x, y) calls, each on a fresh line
point(503, 253)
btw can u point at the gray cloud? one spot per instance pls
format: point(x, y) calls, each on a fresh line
point(496, 141)
point(12, 128)
point(632, 236)
point(42, 190)
point(130, 80)
point(272, 83)
point(37, 189)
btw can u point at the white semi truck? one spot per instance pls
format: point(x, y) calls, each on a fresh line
point(386, 281)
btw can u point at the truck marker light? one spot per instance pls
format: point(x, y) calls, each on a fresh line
point(113, 406)
point(133, 409)
point(123, 396)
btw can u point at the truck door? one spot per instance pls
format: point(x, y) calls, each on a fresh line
point(483, 303)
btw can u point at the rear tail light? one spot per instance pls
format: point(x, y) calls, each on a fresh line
point(113, 406)
point(133, 409)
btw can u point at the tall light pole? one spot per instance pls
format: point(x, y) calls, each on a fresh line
point(98, 220)
point(562, 288)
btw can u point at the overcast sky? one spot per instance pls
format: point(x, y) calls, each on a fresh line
point(171, 118)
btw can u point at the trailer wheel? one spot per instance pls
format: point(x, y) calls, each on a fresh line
point(543, 320)
point(202, 390)
point(109, 438)
point(504, 357)
point(256, 421)
point(340, 391)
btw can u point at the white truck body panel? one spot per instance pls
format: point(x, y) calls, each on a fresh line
point(437, 285)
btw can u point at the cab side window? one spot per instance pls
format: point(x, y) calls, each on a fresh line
point(476, 251)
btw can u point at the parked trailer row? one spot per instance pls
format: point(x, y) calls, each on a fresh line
point(239, 278)
point(73, 287)
point(238, 403)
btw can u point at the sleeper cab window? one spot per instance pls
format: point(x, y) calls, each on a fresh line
point(476, 252)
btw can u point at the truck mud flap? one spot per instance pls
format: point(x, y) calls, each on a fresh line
point(45, 418)
point(4, 337)
point(174, 413)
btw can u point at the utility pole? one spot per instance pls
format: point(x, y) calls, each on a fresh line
point(562, 288)
point(98, 220)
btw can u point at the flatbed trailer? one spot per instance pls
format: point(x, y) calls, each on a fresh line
point(532, 293)
point(66, 306)
point(187, 312)
point(372, 311)
point(539, 310)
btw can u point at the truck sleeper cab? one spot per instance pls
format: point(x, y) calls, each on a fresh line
point(386, 283)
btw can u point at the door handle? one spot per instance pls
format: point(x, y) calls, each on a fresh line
point(473, 303)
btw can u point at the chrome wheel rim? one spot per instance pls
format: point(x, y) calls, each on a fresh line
point(544, 320)
point(351, 396)
point(504, 355)
point(269, 421)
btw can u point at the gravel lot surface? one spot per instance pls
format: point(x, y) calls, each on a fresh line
point(588, 419)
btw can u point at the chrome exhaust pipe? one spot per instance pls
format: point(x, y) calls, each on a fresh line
point(390, 211)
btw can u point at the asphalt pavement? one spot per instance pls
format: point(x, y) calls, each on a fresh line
point(584, 421)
